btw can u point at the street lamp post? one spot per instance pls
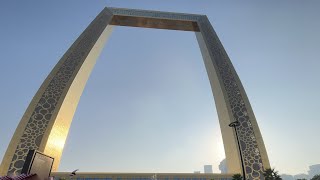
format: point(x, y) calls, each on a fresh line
point(235, 124)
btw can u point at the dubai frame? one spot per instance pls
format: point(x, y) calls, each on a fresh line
point(46, 122)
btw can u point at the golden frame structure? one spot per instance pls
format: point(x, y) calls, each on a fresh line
point(47, 120)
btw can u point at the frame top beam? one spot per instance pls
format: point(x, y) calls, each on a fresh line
point(154, 19)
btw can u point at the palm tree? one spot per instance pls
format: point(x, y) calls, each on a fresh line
point(316, 177)
point(271, 174)
point(237, 177)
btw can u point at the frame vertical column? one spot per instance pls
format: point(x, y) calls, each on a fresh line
point(232, 105)
point(46, 122)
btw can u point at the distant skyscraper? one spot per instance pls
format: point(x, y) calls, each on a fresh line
point(301, 176)
point(314, 170)
point(223, 166)
point(208, 169)
point(287, 177)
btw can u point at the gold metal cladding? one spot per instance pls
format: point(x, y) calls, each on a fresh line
point(47, 120)
point(46, 123)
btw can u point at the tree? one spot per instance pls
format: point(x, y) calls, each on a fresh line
point(237, 177)
point(271, 174)
point(316, 177)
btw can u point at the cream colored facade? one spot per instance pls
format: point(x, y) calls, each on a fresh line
point(141, 176)
point(46, 122)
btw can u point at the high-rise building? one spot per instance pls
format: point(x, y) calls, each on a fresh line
point(314, 170)
point(223, 166)
point(301, 176)
point(207, 169)
point(287, 177)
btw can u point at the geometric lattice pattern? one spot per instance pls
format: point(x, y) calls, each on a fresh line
point(41, 116)
point(248, 144)
point(68, 68)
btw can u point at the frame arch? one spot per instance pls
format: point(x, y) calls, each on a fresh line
point(47, 120)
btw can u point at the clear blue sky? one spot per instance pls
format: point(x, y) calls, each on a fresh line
point(148, 106)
